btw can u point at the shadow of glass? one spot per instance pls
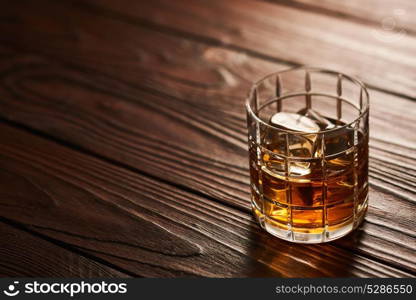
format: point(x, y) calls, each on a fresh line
point(286, 259)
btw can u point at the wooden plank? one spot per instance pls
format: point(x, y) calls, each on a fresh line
point(371, 239)
point(200, 168)
point(224, 74)
point(283, 33)
point(393, 15)
point(147, 227)
point(148, 115)
point(25, 255)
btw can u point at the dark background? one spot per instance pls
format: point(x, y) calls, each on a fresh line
point(123, 142)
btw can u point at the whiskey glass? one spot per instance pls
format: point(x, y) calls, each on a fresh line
point(308, 153)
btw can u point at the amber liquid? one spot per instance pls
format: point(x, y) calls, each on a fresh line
point(313, 184)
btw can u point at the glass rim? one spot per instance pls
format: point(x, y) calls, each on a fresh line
point(313, 69)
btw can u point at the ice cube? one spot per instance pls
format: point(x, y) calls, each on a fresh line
point(294, 122)
point(322, 122)
point(337, 141)
point(300, 145)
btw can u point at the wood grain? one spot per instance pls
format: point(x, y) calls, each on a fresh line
point(25, 255)
point(282, 33)
point(394, 15)
point(147, 227)
point(171, 107)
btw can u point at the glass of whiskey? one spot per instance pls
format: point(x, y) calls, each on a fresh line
point(308, 153)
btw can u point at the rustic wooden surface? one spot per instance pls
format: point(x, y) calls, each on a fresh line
point(123, 141)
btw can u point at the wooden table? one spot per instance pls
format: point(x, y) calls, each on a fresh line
point(123, 142)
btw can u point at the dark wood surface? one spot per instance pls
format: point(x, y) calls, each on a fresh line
point(123, 142)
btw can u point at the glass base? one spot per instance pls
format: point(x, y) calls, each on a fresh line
point(308, 235)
